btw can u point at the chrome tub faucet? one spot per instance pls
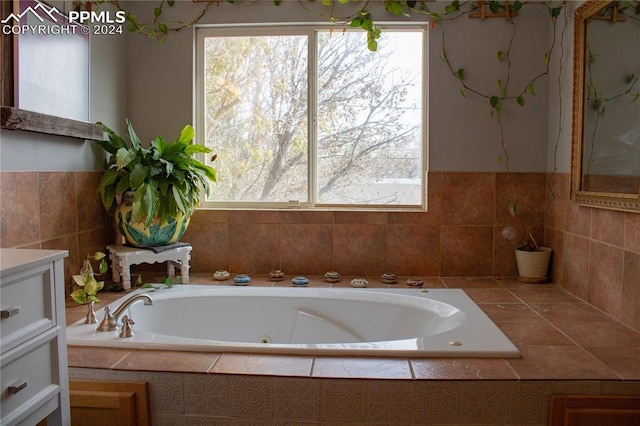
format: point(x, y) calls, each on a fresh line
point(110, 320)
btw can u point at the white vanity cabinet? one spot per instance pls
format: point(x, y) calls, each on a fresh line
point(33, 351)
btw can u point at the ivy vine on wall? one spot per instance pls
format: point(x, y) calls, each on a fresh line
point(362, 17)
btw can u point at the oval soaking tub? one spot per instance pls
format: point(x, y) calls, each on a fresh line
point(397, 322)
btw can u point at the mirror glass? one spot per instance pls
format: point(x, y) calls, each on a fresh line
point(606, 133)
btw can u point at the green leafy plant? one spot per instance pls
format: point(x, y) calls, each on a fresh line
point(86, 284)
point(167, 282)
point(166, 178)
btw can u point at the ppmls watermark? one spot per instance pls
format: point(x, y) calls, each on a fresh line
point(47, 20)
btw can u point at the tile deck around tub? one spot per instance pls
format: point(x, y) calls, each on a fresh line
point(559, 337)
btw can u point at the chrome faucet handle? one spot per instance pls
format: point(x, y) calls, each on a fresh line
point(108, 323)
point(126, 327)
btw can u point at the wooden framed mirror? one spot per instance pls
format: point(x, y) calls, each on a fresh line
point(13, 116)
point(605, 166)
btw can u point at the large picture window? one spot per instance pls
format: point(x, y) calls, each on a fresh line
point(308, 117)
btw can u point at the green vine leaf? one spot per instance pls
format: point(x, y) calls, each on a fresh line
point(494, 6)
point(629, 79)
point(170, 2)
point(500, 55)
point(464, 92)
point(601, 112)
point(546, 58)
point(393, 7)
point(516, 6)
point(443, 57)
point(555, 11)
point(372, 44)
point(494, 101)
point(461, 73)
point(531, 88)
point(356, 22)
point(157, 11)
point(520, 100)
point(596, 104)
point(452, 7)
point(636, 97)
point(499, 83)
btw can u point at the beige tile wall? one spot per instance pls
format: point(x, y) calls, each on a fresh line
point(54, 210)
point(459, 235)
point(596, 252)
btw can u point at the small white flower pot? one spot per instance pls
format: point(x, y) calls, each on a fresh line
point(533, 266)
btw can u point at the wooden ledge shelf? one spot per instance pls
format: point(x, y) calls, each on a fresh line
point(19, 119)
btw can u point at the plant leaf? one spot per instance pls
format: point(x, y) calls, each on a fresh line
point(494, 101)
point(79, 296)
point(135, 140)
point(532, 89)
point(103, 266)
point(187, 134)
point(124, 156)
point(372, 45)
point(138, 175)
point(461, 73)
point(555, 11)
point(356, 22)
point(520, 100)
point(629, 78)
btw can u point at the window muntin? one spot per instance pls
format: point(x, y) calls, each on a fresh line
point(309, 117)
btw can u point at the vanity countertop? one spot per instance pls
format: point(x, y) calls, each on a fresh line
point(13, 260)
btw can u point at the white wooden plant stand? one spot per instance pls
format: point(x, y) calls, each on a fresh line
point(122, 257)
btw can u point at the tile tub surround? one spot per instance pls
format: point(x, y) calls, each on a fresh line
point(459, 235)
point(567, 346)
point(596, 252)
point(54, 210)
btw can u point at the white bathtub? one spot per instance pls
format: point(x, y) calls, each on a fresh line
point(332, 321)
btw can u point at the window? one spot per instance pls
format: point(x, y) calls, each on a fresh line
point(308, 117)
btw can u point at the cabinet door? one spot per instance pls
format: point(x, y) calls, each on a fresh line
point(96, 403)
point(102, 408)
point(601, 410)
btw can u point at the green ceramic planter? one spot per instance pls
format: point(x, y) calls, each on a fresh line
point(156, 234)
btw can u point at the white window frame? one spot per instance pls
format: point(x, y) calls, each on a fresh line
point(310, 30)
